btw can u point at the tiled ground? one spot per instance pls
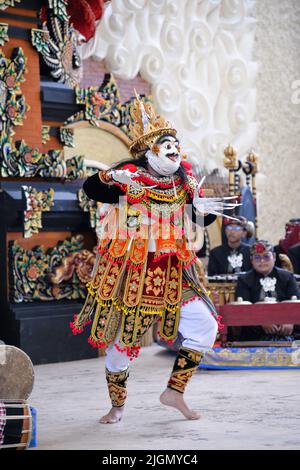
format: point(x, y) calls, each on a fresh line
point(240, 409)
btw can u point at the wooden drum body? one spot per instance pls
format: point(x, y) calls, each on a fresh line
point(15, 424)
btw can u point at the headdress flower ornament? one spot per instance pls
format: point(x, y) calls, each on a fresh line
point(259, 248)
point(227, 221)
point(146, 126)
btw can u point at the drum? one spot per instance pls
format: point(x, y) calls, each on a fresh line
point(16, 374)
point(15, 424)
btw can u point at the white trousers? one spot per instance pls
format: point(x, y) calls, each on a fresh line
point(197, 326)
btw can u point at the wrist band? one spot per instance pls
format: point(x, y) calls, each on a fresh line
point(105, 177)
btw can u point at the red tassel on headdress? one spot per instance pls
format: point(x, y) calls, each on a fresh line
point(43, 14)
point(97, 7)
point(82, 17)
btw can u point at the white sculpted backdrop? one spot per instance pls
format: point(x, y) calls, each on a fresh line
point(197, 56)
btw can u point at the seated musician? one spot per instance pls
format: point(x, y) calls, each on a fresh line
point(266, 280)
point(286, 254)
point(234, 255)
point(294, 255)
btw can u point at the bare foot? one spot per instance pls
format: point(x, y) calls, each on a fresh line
point(172, 398)
point(113, 416)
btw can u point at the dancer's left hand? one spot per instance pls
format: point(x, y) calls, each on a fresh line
point(213, 205)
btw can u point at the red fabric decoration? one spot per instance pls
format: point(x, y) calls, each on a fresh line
point(82, 17)
point(130, 166)
point(43, 14)
point(97, 7)
point(292, 235)
point(186, 165)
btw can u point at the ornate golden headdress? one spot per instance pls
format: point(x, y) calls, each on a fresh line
point(146, 126)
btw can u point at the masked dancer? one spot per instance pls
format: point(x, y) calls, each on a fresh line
point(146, 269)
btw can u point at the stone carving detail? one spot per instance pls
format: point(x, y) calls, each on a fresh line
point(45, 134)
point(12, 102)
point(57, 44)
point(8, 3)
point(97, 212)
point(58, 273)
point(37, 202)
point(3, 33)
point(67, 136)
point(17, 159)
point(80, 263)
point(103, 103)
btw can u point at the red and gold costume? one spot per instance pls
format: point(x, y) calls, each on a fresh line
point(146, 266)
point(132, 285)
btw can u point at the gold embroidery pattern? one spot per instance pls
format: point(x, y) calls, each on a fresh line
point(134, 326)
point(144, 322)
point(167, 196)
point(118, 247)
point(151, 304)
point(105, 325)
point(134, 286)
point(129, 328)
point(117, 382)
point(102, 265)
point(174, 285)
point(84, 315)
point(138, 252)
point(160, 294)
point(148, 289)
point(169, 323)
point(183, 253)
point(112, 325)
point(155, 281)
point(187, 361)
point(117, 395)
point(103, 244)
point(135, 193)
point(110, 280)
point(181, 362)
point(193, 355)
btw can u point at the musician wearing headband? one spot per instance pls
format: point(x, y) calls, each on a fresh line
point(146, 268)
point(266, 280)
point(234, 255)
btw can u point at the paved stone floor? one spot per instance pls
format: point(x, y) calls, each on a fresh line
point(240, 409)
